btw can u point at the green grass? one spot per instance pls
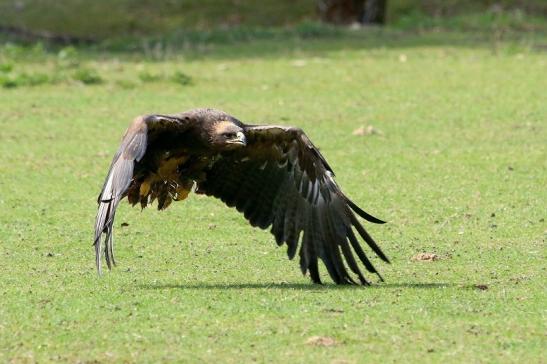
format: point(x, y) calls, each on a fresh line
point(458, 170)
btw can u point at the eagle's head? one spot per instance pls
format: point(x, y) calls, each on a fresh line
point(227, 135)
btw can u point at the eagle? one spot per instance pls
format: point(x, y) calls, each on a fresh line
point(272, 174)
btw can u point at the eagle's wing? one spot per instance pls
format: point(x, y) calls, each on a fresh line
point(132, 149)
point(281, 179)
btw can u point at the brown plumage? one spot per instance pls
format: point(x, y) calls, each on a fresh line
point(274, 175)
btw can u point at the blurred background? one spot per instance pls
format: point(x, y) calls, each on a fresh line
point(81, 21)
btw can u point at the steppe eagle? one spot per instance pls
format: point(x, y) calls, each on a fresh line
point(274, 175)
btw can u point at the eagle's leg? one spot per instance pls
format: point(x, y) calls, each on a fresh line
point(182, 190)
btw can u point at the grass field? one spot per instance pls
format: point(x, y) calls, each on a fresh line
point(457, 166)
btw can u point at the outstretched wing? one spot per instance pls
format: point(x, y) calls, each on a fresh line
point(121, 173)
point(281, 180)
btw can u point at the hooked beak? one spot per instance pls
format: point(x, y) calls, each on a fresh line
point(239, 139)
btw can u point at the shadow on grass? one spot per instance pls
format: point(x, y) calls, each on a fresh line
point(300, 286)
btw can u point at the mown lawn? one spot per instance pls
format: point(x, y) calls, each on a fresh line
point(457, 165)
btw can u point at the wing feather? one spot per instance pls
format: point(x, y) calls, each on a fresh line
point(132, 150)
point(287, 184)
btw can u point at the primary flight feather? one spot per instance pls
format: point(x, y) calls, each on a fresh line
point(274, 175)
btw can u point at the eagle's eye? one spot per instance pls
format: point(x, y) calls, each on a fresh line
point(229, 135)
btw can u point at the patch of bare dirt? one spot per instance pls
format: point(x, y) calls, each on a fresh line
point(321, 341)
point(368, 130)
point(425, 257)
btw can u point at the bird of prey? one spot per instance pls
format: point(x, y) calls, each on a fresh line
point(274, 175)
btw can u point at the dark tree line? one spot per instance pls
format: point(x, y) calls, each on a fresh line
point(331, 11)
point(351, 11)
